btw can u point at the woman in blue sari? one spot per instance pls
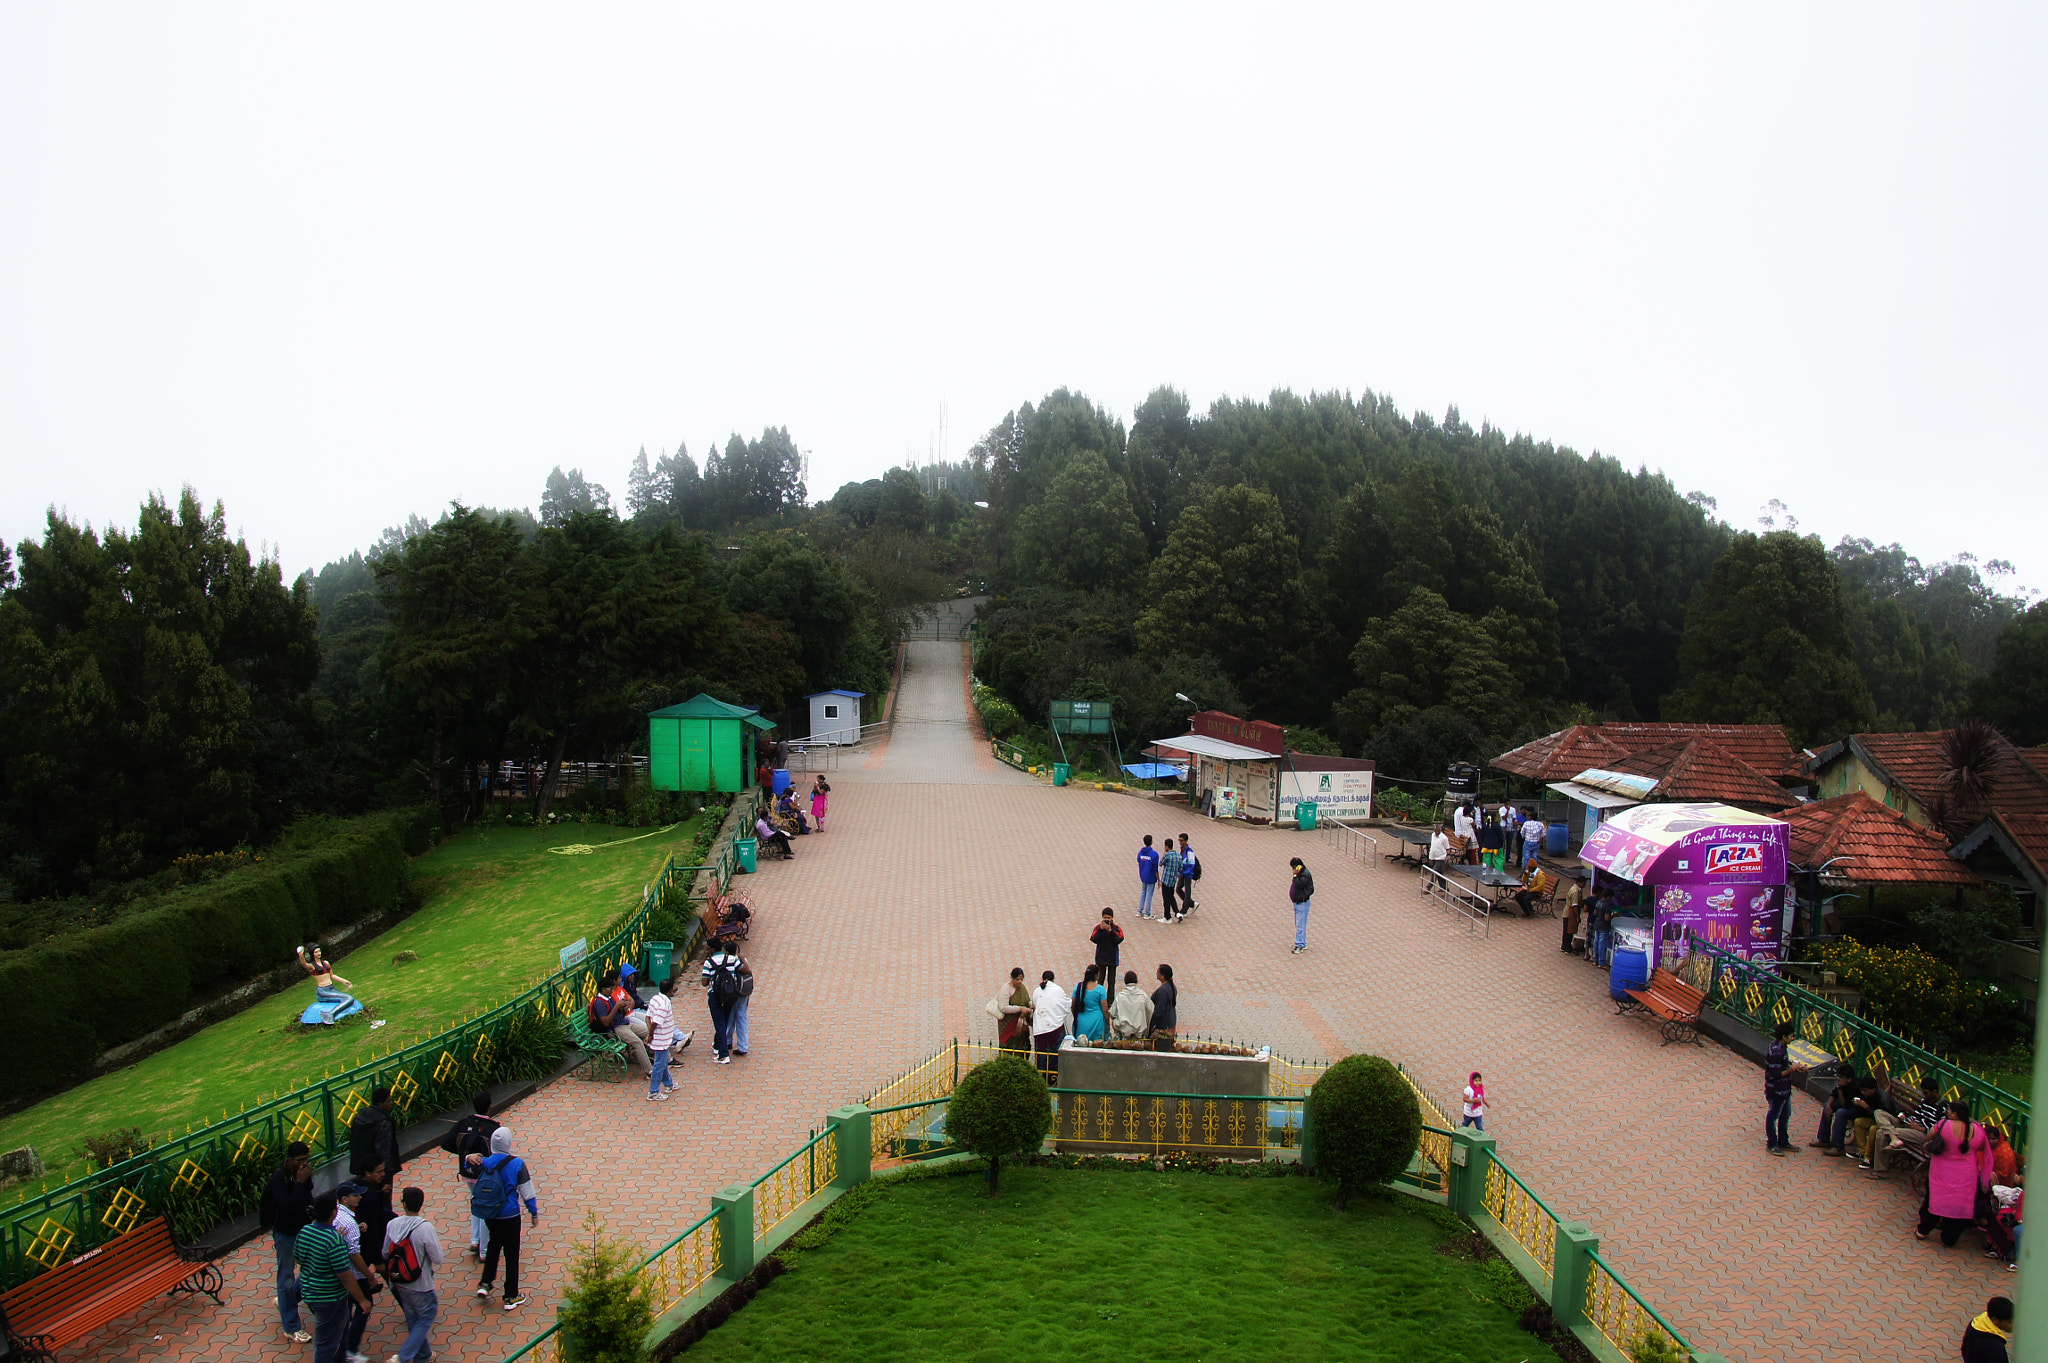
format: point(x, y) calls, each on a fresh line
point(330, 1005)
point(1091, 1022)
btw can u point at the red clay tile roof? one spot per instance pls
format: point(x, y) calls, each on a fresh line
point(1561, 756)
point(1763, 746)
point(1882, 845)
point(1699, 768)
point(2019, 793)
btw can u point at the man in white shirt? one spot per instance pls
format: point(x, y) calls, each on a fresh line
point(1461, 823)
point(661, 1027)
point(348, 1197)
point(1051, 1008)
point(1533, 830)
point(1439, 848)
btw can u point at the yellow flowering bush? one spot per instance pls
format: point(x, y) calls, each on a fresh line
point(1921, 997)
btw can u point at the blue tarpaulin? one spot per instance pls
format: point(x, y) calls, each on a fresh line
point(1156, 771)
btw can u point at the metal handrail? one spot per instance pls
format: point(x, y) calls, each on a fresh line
point(1467, 905)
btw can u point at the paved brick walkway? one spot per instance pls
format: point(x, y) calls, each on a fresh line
point(942, 869)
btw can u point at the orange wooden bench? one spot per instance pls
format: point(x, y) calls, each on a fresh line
point(71, 1301)
point(1672, 999)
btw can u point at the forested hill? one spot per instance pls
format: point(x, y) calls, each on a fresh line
point(1413, 587)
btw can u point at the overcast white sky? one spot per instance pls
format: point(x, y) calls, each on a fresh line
point(335, 265)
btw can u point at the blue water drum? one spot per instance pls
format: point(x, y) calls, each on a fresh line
point(1631, 970)
point(1557, 837)
point(781, 780)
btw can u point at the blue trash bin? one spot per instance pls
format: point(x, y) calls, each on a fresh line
point(1631, 970)
point(1557, 837)
point(781, 780)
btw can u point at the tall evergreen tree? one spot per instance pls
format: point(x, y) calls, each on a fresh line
point(1767, 643)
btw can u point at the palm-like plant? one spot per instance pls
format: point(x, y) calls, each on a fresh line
point(1972, 754)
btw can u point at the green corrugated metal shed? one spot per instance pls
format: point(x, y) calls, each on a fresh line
point(702, 744)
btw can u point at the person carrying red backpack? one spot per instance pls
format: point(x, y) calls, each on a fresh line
point(412, 1248)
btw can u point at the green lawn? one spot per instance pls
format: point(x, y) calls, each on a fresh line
point(1080, 1265)
point(497, 908)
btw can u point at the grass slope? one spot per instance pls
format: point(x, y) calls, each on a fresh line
point(496, 908)
point(1082, 1265)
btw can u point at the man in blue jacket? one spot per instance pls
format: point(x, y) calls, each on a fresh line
point(1148, 877)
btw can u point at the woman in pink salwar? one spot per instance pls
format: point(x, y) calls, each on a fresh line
point(1955, 1175)
point(820, 794)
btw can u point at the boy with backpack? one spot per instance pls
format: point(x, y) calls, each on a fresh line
point(502, 1182)
point(1190, 872)
point(411, 1249)
point(472, 1136)
point(724, 987)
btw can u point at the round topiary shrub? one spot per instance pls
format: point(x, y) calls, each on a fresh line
point(1363, 1122)
point(1000, 1110)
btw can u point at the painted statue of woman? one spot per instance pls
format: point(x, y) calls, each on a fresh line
point(330, 1005)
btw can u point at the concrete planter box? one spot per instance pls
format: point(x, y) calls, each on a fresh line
point(1166, 1074)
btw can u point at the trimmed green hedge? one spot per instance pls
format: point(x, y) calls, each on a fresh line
point(65, 1001)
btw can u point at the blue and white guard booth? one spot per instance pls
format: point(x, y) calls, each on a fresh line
point(835, 716)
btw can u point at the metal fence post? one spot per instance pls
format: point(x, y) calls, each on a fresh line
point(852, 1131)
point(1471, 1152)
point(1569, 1270)
point(735, 1208)
point(1308, 1140)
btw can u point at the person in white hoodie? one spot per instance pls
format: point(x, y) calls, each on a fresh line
point(1051, 1009)
point(417, 1299)
point(1130, 1017)
point(508, 1175)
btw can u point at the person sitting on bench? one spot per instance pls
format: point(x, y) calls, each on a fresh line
point(1909, 1132)
point(788, 815)
point(1833, 1135)
point(771, 836)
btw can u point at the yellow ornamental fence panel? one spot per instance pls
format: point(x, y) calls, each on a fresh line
point(305, 1127)
point(354, 1103)
point(52, 1243)
point(123, 1212)
point(446, 1068)
point(249, 1150)
point(191, 1178)
point(1624, 1321)
point(405, 1090)
point(1521, 1216)
point(483, 1052)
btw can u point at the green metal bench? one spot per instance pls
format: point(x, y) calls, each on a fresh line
point(607, 1054)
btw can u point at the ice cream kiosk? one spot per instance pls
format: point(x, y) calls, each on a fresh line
point(1712, 869)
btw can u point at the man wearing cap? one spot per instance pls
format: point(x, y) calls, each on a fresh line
point(349, 1197)
point(289, 1206)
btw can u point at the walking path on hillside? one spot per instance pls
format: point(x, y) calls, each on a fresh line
point(941, 869)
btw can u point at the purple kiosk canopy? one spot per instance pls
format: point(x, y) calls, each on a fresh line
point(1715, 869)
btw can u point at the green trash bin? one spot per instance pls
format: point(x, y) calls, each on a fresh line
point(1060, 772)
point(656, 960)
point(1305, 816)
point(748, 849)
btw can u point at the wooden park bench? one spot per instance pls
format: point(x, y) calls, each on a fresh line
point(71, 1301)
point(727, 918)
point(607, 1053)
point(1670, 998)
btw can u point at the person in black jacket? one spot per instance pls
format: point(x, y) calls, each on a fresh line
point(373, 1137)
point(1985, 1339)
point(1301, 890)
point(472, 1136)
point(287, 1208)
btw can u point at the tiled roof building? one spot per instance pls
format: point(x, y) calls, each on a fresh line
point(1700, 769)
point(1871, 844)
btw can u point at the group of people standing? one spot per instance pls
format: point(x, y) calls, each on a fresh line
point(1172, 869)
point(337, 1251)
point(1040, 1020)
point(781, 818)
point(1493, 837)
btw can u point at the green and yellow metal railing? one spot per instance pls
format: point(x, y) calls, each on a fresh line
point(216, 1172)
point(904, 1120)
point(1757, 996)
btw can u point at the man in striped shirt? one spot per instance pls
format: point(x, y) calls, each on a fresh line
point(661, 1028)
point(327, 1281)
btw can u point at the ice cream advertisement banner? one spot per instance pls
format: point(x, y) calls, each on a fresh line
point(1747, 920)
point(1713, 869)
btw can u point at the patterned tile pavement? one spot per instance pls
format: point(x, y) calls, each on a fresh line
point(942, 868)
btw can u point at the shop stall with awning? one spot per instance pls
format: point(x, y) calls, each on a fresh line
point(1597, 793)
point(1228, 780)
point(1711, 869)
